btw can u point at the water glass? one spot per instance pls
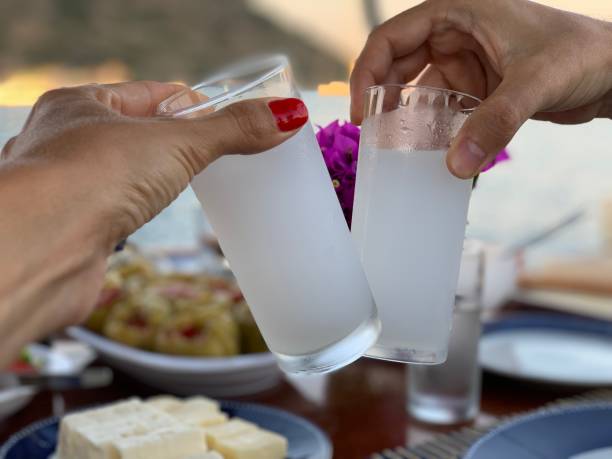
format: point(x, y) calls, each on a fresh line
point(281, 228)
point(450, 393)
point(410, 215)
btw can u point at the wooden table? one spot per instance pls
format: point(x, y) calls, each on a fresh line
point(362, 408)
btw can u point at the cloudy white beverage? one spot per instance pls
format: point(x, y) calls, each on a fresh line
point(280, 226)
point(409, 224)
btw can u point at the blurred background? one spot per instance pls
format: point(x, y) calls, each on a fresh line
point(544, 217)
point(63, 41)
point(558, 174)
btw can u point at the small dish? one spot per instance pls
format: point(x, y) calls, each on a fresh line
point(573, 433)
point(306, 441)
point(213, 376)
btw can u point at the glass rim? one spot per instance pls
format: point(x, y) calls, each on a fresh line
point(268, 66)
point(429, 88)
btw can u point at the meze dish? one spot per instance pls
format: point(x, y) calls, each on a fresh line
point(179, 314)
point(165, 427)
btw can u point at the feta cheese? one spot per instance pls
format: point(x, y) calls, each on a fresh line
point(164, 402)
point(232, 428)
point(259, 444)
point(199, 411)
point(175, 442)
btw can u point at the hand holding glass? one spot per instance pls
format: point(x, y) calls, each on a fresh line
point(410, 215)
point(281, 228)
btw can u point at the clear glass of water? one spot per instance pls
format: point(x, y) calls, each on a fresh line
point(410, 215)
point(281, 228)
point(450, 393)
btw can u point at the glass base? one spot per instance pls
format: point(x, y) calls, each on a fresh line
point(442, 410)
point(406, 355)
point(336, 356)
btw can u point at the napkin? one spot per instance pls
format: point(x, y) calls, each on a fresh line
point(590, 275)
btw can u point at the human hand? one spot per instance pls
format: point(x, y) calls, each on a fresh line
point(127, 164)
point(91, 166)
point(523, 59)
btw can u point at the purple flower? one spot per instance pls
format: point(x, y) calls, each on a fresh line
point(340, 146)
point(500, 158)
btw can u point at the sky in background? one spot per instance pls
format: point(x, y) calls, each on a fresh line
point(340, 25)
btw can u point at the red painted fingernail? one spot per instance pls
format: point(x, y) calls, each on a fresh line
point(289, 114)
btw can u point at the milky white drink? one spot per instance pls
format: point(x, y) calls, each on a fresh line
point(280, 226)
point(409, 223)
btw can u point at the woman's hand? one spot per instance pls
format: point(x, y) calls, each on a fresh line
point(524, 59)
point(91, 166)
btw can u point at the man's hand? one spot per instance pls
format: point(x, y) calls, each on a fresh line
point(523, 59)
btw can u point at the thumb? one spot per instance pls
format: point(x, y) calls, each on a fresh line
point(245, 127)
point(491, 127)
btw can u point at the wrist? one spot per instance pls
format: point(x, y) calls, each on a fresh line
point(45, 213)
point(52, 256)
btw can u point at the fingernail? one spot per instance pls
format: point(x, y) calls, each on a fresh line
point(289, 114)
point(467, 159)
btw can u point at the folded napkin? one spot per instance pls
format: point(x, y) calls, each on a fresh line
point(591, 276)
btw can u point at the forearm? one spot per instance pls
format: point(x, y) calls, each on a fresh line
point(51, 264)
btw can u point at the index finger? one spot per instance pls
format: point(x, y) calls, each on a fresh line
point(399, 36)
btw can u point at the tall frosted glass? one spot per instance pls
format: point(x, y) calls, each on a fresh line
point(282, 230)
point(410, 215)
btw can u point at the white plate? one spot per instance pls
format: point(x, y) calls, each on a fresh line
point(217, 377)
point(12, 396)
point(549, 348)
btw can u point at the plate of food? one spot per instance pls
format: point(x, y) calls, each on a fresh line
point(187, 333)
point(165, 427)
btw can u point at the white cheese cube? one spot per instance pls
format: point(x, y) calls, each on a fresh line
point(167, 443)
point(164, 402)
point(200, 418)
point(259, 444)
point(209, 455)
point(94, 434)
point(230, 429)
point(199, 411)
point(202, 403)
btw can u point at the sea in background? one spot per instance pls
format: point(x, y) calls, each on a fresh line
point(554, 171)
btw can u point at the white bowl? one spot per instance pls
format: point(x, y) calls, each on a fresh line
point(216, 377)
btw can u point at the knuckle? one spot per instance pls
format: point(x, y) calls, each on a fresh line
point(247, 121)
point(6, 150)
point(375, 32)
point(60, 99)
point(107, 97)
point(50, 97)
point(195, 153)
point(505, 117)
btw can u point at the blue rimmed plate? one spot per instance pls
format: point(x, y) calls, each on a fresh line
point(306, 441)
point(572, 433)
point(555, 349)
